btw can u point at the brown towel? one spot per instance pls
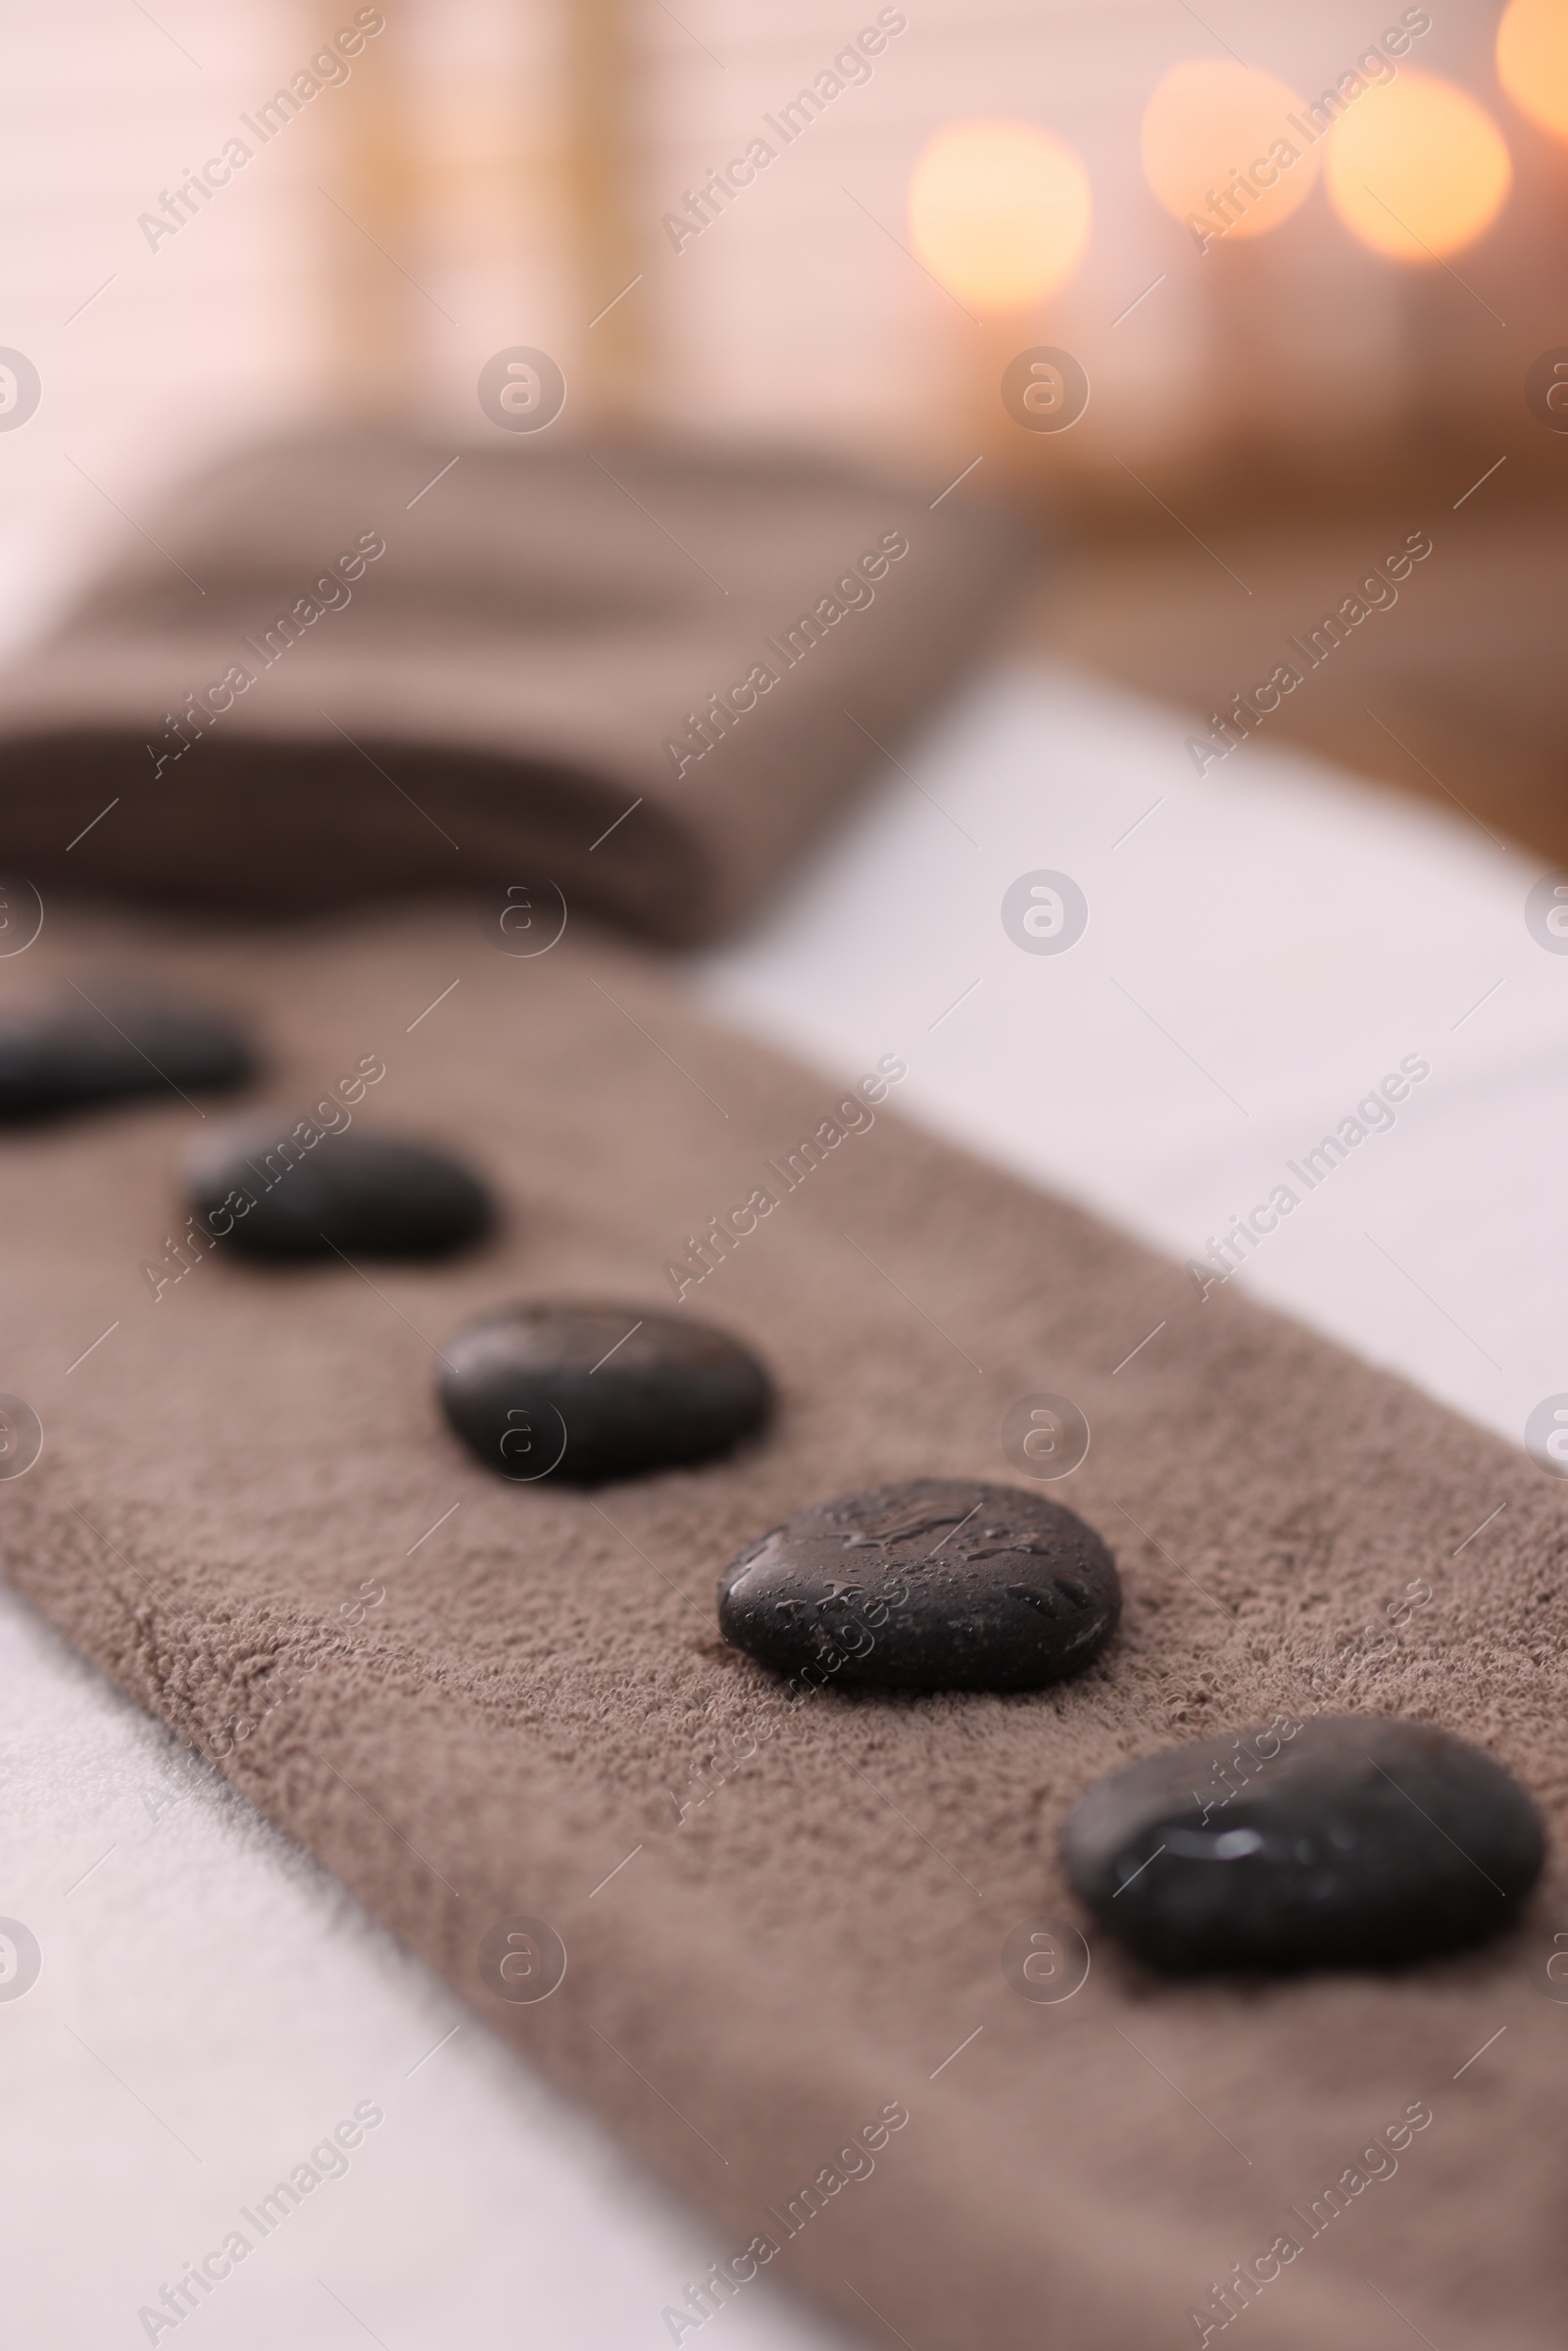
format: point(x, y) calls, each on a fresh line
point(785, 1926)
point(641, 676)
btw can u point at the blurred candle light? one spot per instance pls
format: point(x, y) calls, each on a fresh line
point(1417, 170)
point(1000, 210)
point(1532, 60)
point(1230, 150)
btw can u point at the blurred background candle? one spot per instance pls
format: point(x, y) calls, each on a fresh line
point(1532, 60)
point(1419, 170)
point(1229, 151)
point(1000, 210)
point(999, 213)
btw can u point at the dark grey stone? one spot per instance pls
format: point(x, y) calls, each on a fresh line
point(272, 1191)
point(586, 1392)
point(1344, 1841)
point(939, 1584)
point(73, 1056)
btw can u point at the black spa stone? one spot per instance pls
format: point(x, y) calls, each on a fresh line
point(70, 1056)
point(1344, 1841)
point(586, 1392)
point(285, 1191)
point(940, 1584)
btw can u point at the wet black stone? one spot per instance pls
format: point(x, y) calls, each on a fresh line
point(364, 1195)
point(1356, 1841)
point(70, 1057)
point(940, 1584)
point(560, 1388)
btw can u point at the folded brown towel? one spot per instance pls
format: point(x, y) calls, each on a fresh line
point(785, 1925)
point(646, 675)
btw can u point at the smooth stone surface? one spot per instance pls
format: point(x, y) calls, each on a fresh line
point(939, 1584)
point(267, 1191)
point(587, 1391)
point(1356, 1841)
point(70, 1056)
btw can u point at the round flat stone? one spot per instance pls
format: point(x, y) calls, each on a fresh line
point(1344, 1841)
point(301, 1191)
point(940, 1584)
point(587, 1391)
point(70, 1057)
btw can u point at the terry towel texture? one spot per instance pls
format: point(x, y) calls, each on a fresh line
point(784, 1925)
point(354, 665)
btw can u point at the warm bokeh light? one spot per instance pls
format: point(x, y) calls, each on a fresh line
point(1417, 169)
point(1532, 60)
point(1000, 210)
point(1221, 151)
